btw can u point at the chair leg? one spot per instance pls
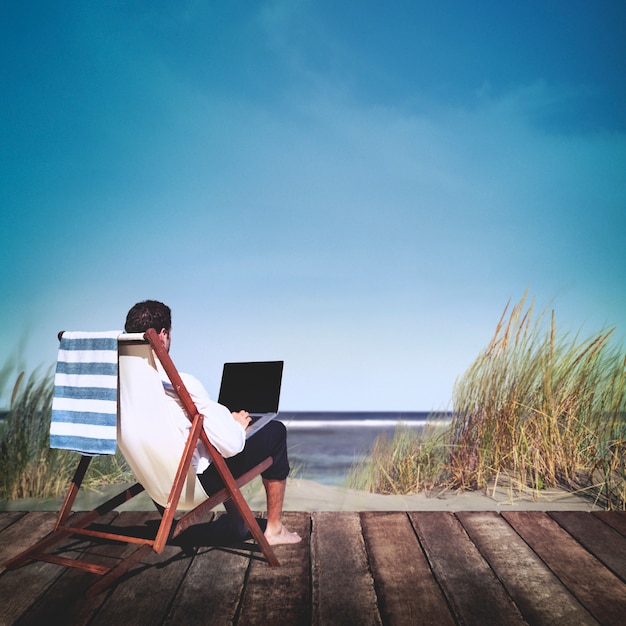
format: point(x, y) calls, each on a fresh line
point(65, 511)
point(61, 531)
point(236, 500)
point(268, 552)
point(237, 522)
point(72, 492)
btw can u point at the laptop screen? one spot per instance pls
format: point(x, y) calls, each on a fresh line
point(252, 387)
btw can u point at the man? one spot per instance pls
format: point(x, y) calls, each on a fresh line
point(225, 430)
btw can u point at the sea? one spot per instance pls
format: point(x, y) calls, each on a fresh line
point(323, 446)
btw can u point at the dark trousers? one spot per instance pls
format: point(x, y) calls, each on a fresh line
point(271, 440)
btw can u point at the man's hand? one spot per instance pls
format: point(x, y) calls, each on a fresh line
point(243, 418)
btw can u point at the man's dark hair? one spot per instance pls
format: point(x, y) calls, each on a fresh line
point(148, 314)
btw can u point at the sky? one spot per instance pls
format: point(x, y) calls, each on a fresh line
point(357, 188)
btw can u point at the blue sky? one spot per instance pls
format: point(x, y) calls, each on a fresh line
point(357, 188)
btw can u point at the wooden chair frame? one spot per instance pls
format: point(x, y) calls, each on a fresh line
point(165, 531)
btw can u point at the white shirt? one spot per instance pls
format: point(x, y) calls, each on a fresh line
point(227, 435)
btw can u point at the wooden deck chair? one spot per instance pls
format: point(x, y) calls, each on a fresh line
point(160, 459)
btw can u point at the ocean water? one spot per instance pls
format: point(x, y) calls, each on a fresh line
point(323, 446)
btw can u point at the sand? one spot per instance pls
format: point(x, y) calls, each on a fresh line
point(306, 495)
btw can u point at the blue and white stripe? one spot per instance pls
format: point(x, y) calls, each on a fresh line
point(84, 407)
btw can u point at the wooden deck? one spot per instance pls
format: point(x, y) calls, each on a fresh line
point(352, 568)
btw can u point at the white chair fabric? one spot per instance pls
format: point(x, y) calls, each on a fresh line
point(147, 435)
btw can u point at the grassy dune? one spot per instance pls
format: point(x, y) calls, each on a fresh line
point(543, 408)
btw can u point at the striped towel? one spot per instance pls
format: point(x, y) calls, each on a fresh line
point(84, 406)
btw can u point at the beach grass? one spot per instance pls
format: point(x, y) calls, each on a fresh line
point(409, 463)
point(545, 407)
point(29, 468)
point(539, 406)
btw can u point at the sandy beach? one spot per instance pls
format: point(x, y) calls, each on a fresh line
point(307, 495)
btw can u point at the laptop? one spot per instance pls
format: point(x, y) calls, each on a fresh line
point(253, 387)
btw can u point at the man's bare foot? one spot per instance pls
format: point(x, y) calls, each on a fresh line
point(280, 536)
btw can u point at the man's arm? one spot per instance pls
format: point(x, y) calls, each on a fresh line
point(225, 430)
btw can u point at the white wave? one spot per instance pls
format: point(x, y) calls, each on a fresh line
point(365, 423)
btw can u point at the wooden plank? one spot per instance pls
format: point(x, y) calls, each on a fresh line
point(473, 590)
point(39, 592)
point(601, 592)
point(24, 533)
point(20, 588)
point(342, 585)
point(65, 598)
point(604, 542)
point(615, 519)
point(406, 589)
point(538, 593)
point(144, 595)
point(211, 590)
point(9, 517)
point(281, 595)
point(25, 585)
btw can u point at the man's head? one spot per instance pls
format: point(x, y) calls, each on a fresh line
point(150, 314)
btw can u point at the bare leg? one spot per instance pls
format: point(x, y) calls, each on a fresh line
point(276, 533)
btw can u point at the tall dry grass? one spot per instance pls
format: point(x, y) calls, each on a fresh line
point(410, 462)
point(546, 408)
point(29, 468)
point(542, 407)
